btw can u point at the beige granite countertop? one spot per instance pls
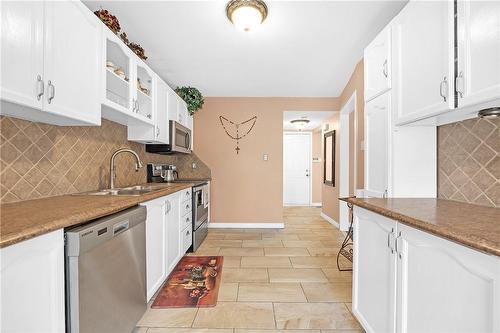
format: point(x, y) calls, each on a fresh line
point(27, 219)
point(475, 226)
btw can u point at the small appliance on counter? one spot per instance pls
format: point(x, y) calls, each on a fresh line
point(161, 173)
point(180, 141)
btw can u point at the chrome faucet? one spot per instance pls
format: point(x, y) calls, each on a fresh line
point(112, 167)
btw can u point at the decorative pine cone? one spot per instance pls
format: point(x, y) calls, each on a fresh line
point(138, 50)
point(109, 20)
point(124, 38)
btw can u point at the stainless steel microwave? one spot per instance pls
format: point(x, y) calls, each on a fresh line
point(180, 141)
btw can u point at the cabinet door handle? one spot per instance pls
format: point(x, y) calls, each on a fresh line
point(137, 106)
point(384, 68)
point(398, 247)
point(157, 131)
point(459, 84)
point(390, 238)
point(40, 87)
point(443, 88)
point(52, 91)
point(133, 104)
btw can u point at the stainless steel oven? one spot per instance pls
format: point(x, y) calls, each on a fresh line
point(180, 141)
point(200, 214)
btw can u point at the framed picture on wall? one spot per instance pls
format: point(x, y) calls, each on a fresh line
point(329, 158)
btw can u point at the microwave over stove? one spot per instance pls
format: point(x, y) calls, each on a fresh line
point(180, 141)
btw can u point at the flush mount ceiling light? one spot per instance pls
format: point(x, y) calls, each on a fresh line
point(489, 113)
point(246, 15)
point(300, 123)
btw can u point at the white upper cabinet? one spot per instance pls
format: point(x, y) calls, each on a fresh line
point(478, 28)
point(129, 85)
point(159, 132)
point(377, 64)
point(71, 56)
point(50, 62)
point(423, 76)
point(377, 136)
point(22, 53)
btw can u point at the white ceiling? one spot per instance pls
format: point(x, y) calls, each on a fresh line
point(304, 48)
point(316, 118)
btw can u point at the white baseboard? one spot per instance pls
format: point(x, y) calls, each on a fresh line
point(316, 204)
point(246, 225)
point(330, 220)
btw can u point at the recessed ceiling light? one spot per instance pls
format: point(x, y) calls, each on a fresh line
point(246, 15)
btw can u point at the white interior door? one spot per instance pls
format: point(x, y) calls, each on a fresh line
point(297, 169)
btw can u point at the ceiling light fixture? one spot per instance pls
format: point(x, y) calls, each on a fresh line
point(246, 15)
point(299, 123)
point(489, 113)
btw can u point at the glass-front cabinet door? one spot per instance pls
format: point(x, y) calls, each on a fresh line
point(144, 84)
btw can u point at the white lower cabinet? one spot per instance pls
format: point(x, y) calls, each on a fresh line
point(32, 285)
point(406, 280)
point(165, 238)
point(374, 291)
point(156, 269)
point(173, 230)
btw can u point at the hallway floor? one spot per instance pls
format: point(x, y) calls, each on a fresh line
point(273, 279)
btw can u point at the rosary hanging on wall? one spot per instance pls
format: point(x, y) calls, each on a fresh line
point(242, 129)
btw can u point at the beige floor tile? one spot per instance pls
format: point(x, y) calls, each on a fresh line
point(221, 243)
point(316, 237)
point(328, 292)
point(360, 330)
point(231, 262)
point(296, 275)
point(313, 262)
point(262, 243)
point(228, 292)
point(271, 292)
point(236, 315)
point(189, 330)
point(280, 236)
point(313, 316)
point(215, 236)
point(244, 275)
point(241, 251)
point(245, 236)
point(265, 262)
point(332, 243)
point(323, 251)
point(140, 330)
point(239, 330)
point(286, 251)
point(178, 317)
point(334, 275)
point(302, 243)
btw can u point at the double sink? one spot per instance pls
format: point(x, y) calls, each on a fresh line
point(126, 191)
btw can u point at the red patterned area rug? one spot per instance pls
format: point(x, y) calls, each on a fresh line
point(193, 283)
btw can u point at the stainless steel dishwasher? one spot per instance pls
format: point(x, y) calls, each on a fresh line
point(106, 273)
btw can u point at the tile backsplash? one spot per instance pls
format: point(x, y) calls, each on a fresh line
point(40, 160)
point(469, 161)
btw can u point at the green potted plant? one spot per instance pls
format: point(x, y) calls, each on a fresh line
point(192, 97)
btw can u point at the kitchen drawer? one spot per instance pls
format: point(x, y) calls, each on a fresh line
point(186, 195)
point(186, 208)
point(187, 238)
point(186, 221)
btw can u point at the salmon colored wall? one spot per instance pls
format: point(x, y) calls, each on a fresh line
point(244, 188)
point(317, 167)
point(331, 194)
point(356, 83)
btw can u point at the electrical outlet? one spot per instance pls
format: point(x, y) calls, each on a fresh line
point(265, 157)
point(194, 165)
